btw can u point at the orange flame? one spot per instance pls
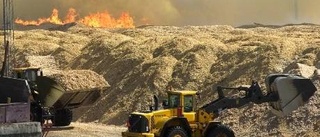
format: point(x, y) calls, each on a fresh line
point(71, 16)
point(104, 20)
point(99, 19)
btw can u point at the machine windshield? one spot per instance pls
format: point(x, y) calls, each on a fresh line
point(188, 103)
point(31, 75)
point(174, 101)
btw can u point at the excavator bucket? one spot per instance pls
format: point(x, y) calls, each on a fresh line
point(71, 89)
point(293, 91)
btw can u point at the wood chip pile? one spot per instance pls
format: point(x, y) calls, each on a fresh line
point(46, 62)
point(144, 61)
point(70, 80)
point(79, 80)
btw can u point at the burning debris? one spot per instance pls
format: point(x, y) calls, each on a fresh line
point(99, 19)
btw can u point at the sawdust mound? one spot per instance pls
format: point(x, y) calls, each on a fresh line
point(200, 58)
point(62, 46)
point(47, 62)
point(79, 80)
point(145, 61)
point(70, 80)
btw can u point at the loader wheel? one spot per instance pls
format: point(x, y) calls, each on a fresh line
point(177, 132)
point(62, 117)
point(221, 131)
point(36, 113)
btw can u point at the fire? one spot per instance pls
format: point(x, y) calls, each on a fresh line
point(99, 19)
point(71, 16)
point(104, 20)
point(54, 18)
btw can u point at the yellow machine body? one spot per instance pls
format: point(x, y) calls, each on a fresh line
point(181, 118)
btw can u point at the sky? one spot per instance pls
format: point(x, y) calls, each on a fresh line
point(183, 12)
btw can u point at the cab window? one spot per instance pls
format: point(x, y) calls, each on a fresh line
point(174, 101)
point(188, 103)
point(31, 75)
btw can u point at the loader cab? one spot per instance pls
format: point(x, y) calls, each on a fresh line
point(184, 99)
point(29, 74)
point(182, 103)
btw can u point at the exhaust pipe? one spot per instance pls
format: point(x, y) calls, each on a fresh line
point(156, 102)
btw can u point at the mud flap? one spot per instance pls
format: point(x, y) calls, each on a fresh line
point(293, 92)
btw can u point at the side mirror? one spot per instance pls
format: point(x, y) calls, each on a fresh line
point(40, 73)
point(165, 104)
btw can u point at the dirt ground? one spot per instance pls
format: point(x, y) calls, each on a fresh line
point(143, 61)
point(85, 130)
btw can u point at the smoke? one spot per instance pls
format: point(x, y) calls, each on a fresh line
point(240, 12)
point(182, 12)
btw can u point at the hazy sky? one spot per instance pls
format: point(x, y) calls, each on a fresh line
point(183, 12)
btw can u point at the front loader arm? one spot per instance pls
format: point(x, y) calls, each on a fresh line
point(253, 94)
point(285, 93)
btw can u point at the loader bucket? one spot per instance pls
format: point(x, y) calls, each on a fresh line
point(293, 91)
point(53, 94)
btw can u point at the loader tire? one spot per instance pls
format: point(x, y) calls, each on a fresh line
point(177, 132)
point(62, 117)
point(221, 131)
point(36, 113)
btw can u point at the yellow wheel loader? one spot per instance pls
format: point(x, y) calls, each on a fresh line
point(181, 118)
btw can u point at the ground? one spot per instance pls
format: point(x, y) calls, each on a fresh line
point(77, 129)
